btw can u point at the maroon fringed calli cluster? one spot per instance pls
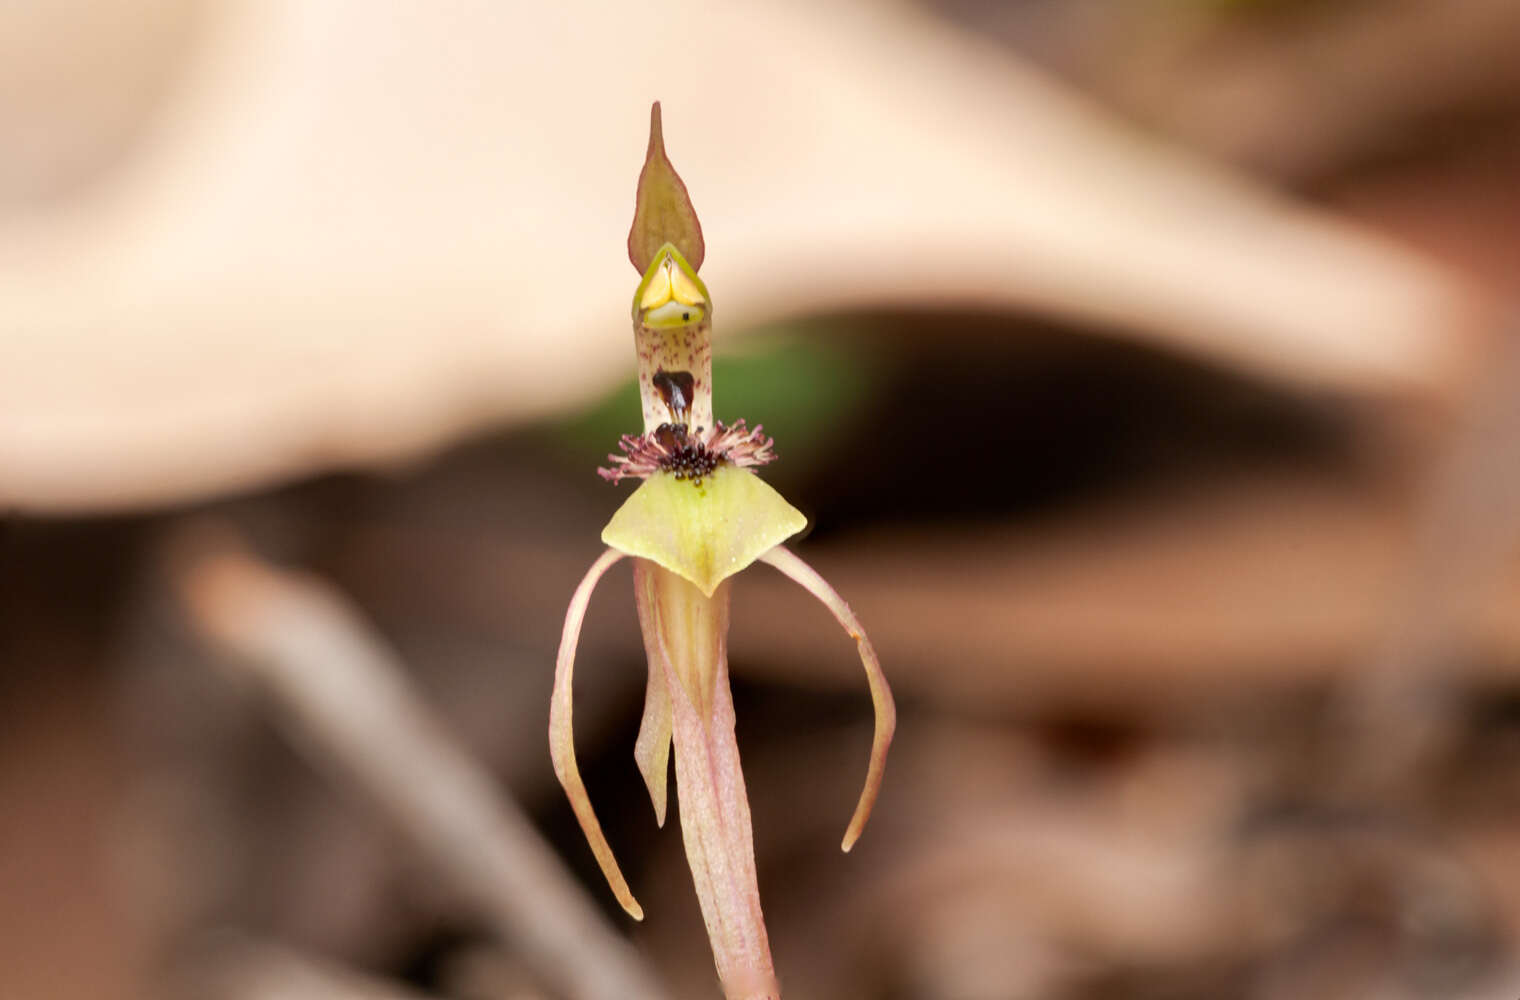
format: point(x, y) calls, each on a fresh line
point(689, 454)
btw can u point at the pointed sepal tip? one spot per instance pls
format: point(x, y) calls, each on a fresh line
point(663, 212)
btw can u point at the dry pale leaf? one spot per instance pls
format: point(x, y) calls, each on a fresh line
point(361, 229)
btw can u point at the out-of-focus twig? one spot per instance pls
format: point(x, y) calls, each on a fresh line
point(348, 702)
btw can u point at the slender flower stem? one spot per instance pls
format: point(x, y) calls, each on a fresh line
point(686, 633)
point(881, 695)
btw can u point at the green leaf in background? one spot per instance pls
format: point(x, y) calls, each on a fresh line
point(804, 385)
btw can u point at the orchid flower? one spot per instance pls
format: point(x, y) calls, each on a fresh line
point(700, 515)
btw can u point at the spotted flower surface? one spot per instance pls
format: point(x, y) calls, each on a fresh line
point(699, 516)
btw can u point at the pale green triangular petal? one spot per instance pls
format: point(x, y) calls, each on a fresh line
point(705, 533)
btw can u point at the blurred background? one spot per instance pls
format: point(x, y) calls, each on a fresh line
point(1145, 370)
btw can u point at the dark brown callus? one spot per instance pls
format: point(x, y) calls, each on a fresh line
point(686, 457)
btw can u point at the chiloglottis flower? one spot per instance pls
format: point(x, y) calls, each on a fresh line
point(700, 515)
